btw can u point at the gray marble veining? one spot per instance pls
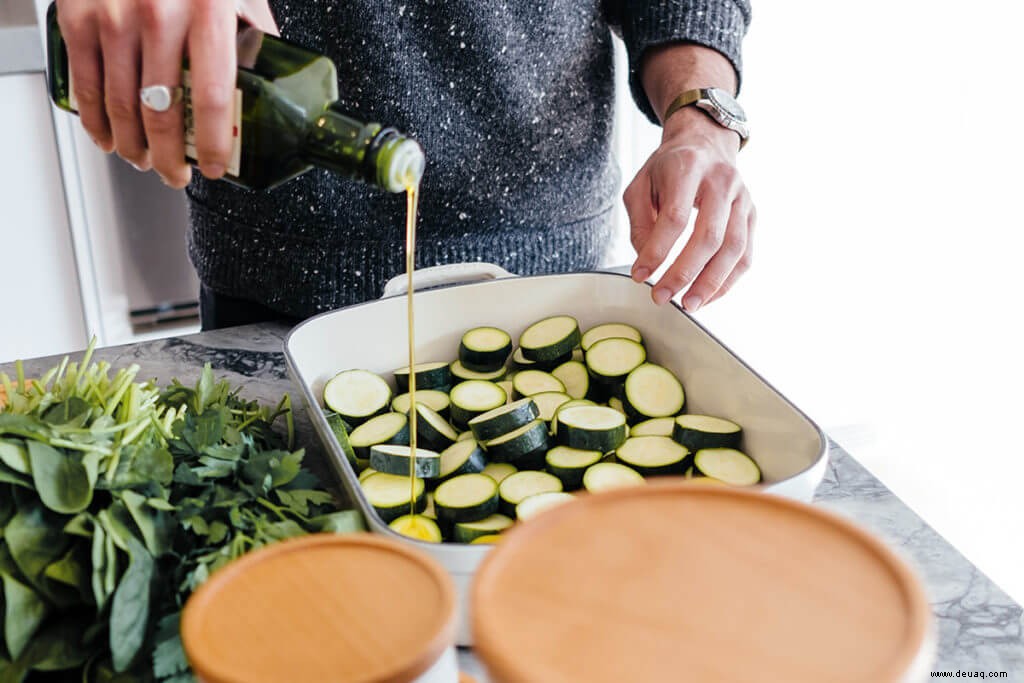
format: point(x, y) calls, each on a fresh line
point(979, 627)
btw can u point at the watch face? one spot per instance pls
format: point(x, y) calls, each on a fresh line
point(724, 100)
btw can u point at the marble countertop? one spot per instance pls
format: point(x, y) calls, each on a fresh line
point(979, 627)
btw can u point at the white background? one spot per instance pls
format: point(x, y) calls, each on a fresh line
point(885, 298)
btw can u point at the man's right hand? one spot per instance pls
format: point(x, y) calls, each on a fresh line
point(116, 47)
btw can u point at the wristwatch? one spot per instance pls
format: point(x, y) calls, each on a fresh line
point(719, 105)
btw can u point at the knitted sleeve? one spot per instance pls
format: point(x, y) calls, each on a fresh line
point(718, 24)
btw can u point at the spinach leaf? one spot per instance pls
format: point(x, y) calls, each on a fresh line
point(73, 570)
point(24, 612)
point(156, 526)
point(61, 479)
point(73, 410)
point(341, 522)
point(129, 612)
point(23, 425)
point(14, 455)
point(9, 476)
point(35, 539)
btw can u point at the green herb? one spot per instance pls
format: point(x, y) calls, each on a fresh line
point(118, 499)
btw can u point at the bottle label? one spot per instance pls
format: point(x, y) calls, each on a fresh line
point(235, 160)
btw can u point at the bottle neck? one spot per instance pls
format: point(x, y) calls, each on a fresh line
point(364, 151)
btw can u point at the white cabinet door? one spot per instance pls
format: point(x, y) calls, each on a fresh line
point(41, 311)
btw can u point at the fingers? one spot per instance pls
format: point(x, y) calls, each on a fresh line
point(726, 252)
point(640, 209)
point(212, 58)
point(743, 265)
point(81, 36)
point(121, 48)
point(163, 42)
point(675, 189)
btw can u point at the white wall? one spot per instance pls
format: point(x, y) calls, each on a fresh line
point(885, 164)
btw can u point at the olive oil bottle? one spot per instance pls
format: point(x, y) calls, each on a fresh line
point(286, 119)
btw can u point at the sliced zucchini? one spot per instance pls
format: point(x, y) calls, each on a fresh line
point(534, 505)
point(465, 436)
point(530, 382)
point(387, 428)
point(653, 455)
point(611, 360)
point(705, 431)
point(396, 460)
point(726, 465)
point(499, 470)
point(519, 486)
point(652, 391)
point(523, 447)
point(432, 375)
point(548, 402)
point(605, 476)
point(432, 430)
point(390, 495)
point(569, 464)
point(340, 430)
point(610, 331)
point(438, 400)
point(366, 473)
point(578, 354)
point(615, 403)
point(522, 361)
point(466, 498)
point(593, 428)
point(466, 532)
point(489, 539)
point(428, 510)
point(460, 373)
point(357, 395)
point(462, 457)
point(474, 397)
point(484, 349)
point(506, 384)
point(568, 404)
point(658, 426)
point(420, 527)
point(551, 338)
point(573, 374)
point(504, 419)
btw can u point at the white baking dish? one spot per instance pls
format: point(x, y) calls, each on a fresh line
point(788, 446)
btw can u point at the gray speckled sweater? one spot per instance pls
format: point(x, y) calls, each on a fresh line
point(513, 103)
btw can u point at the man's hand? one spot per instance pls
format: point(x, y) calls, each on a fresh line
point(694, 167)
point(115, 47)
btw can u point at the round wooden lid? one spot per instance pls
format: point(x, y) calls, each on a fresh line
point(354, 608)
point(673, 581)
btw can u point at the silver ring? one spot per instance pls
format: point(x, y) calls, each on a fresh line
point(160, 98)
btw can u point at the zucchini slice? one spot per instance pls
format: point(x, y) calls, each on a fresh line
point(591, 428)
point(420, 527)
point(386, 428)
point(506, 385)
point(466, 532)
point(568, 404)
point(610, 331)
point(605, 476)
point(615, 403)
point(504, 419)
point(611, 360)
point(652, 391)
point(727, 465)
point(428, 510)
point(485, 349)
point(474, 397)
point(519, 486)
point(396, 460)
point(653, 455)
point(366, 473)
point(534, 505)
point(432, 375)
point(436, 399)
point(569, 464)
point(466, 498)
point(520, 360)
point(357, 395)
point(432, 429)
point(530, 382)
point(658, 426)
point(705, 431)
point(523, 447)
point(340, 431)
point(464, 436)
point(462, 457)
point(573, 374)
point(548, 402)
point(389, 494)
point(460, 373)
point(489, 539)
point(551, 338)
point(499, 470)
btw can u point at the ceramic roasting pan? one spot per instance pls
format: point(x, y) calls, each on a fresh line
point(790, 449)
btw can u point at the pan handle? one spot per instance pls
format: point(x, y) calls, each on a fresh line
point(448, 274)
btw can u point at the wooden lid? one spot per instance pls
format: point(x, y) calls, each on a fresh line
point(354, 608)
point(673, 581)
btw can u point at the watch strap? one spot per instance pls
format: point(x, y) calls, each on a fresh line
point(685, 99)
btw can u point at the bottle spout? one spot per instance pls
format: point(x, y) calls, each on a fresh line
point(400, 164)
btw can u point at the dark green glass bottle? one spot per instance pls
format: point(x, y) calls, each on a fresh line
point(286, 118)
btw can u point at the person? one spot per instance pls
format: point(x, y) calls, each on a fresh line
point(512, 102)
